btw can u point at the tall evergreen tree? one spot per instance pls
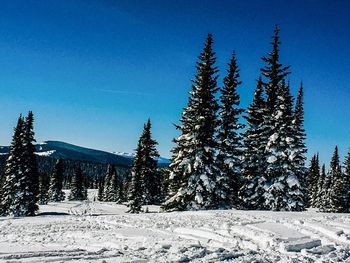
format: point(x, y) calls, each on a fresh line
point(193, 167)
point(78, 190)
point(283, 187)
point(30, 170)
point(12, 189)
point(254, 158)
point(299, 150)
point(313, 180)
point(149, 177)
point(347, 183)
point(337, 192)
point(134, 191)
point(229, 156)
point(56, 184)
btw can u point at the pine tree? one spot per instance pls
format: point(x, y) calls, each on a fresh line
point(321, 192)
point(44, 183)
point(30, 170)
point(337, 192)
point(12, 194)
point(56, 184)
point(254, 159)
point(282, 187)
point(193, 167)
point(101, 184)
point(78, 190)
point(229, 156)
point(313, 180)
point(149, 177)
point(299, 150)
point(347, 183)
point(135, 193)
point(110, 192)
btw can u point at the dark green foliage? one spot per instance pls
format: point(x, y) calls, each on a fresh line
point(150, 178)
point(135, 193)
point(12, 196)
point(78, 189)
point(229, 139)
point(44, 184)
point(112, 184)
point(346, 179)
point(56, 185)
point(144, 187)
point(30, 171)
point(254, 159)
point(313, 179)
point(20, 188)
point(193, 168)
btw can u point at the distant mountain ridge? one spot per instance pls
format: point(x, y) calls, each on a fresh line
point(58, 149)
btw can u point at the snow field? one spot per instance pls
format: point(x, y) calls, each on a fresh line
point(103, 232)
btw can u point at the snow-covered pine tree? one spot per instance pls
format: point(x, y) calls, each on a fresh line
point(321, 192)
point(347, 183)
point(282, 190)
point(313, 177)
point(12, 189)
point(110, 192)
point(44, 183)
point(254, 160)
point(149, 176)
point(56, 184)
point(78, 190)
point(107, 182)
point(337, 192)
point(193, 167)
point(100, 190)
point(30, 170)
point(135, 186)
point(229, 157)
point(299, 150)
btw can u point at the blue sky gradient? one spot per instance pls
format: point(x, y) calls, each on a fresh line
point(94, 71)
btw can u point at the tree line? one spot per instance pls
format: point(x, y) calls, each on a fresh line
point(218, 162)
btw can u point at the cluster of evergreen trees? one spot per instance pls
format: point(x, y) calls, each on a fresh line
point(329, 191)
point(217, 164)
point(20, 182)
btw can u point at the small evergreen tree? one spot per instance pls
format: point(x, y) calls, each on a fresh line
point(44, 183)
point(110, 192)
point(313, 181)
point(337, 193)
point(193, 168)
point(347, 183)
point(78, 190)
point(101, 184)
point(229, 156)
point(321, 192)
point(135, 193)
point(149, 177)
point(56, 185)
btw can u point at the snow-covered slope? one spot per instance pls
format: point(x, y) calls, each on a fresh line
point(57, 149)
point(103, 232)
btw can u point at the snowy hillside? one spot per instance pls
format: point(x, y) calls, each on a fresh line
point(106, 232)
point(57, 149)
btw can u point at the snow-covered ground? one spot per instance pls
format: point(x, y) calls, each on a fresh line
point(103, 232)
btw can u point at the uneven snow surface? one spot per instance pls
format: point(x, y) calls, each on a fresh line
point(103, 232)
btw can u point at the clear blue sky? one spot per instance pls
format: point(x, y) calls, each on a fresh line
point(94, 71)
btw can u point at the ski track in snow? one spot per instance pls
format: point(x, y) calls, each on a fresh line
point(104, 232)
